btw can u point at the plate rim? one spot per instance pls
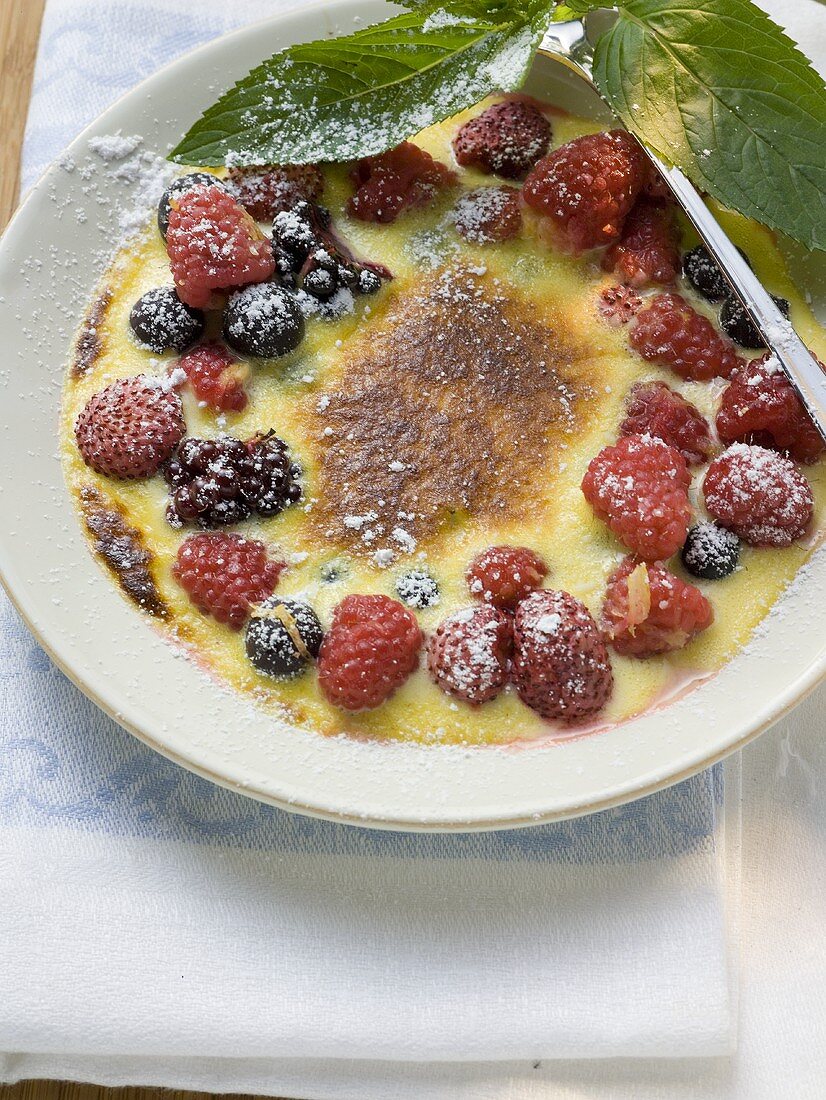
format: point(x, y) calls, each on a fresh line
point(800, 685)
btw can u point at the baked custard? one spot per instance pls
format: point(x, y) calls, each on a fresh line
point(464, 443)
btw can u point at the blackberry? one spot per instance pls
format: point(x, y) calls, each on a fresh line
point(216, 482)
point(179, 187)
point(161, 321)
point(417, 589)
point(701, 270)
point(710, 552)
point(282, 637)
point(263, 320)
point(735, 321)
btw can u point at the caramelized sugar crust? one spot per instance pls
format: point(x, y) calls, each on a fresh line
point(89, 343)
point(123, 549)
point(453, 405)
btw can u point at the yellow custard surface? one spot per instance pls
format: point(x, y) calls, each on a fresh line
point(550, 424)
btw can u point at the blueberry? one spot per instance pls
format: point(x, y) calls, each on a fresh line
point(323, 260)
point(161, 321)
point(368, 281)
point(417, 589)
point(705, 276)
point(282, 637)
point(286, 269)
point(710, 552)
point(735, 322)
point(179, 187)
point(346, 276)
point(332, 571)
point(320, 283)
point(263, 320)
point(293, 233)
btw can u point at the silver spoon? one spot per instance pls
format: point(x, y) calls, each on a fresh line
point(568, 43)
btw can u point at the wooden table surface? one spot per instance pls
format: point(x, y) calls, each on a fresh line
point(19, 29)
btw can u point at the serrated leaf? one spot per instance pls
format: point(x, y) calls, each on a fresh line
point(342, 98)
point(718, 89)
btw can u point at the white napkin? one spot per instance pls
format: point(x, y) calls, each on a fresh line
point(157, 930)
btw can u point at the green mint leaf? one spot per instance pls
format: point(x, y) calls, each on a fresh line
point(716, 87)
point(342, 98)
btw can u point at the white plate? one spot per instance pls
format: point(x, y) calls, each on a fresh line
point(120, 661)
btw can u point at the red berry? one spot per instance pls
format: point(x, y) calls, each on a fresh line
point(468, 654)
point(488, 214)
point(618, 304)
point(214, 244)
point(504, 575)
point(216, 376)
point(507, 139)
point(561, 667)
point(388, 183)
point(639, 487)
point(759, 494)
point(225, 574)
point(267, 190)
point(760, 406)
point(655, 187)
point(131, 428)
point(648, 610)
point(655, 409)
point(672, 333)
point(587, 187)
point(648, 250)
point(369, 651)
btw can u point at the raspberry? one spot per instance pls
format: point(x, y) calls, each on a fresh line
point(639, 487)
point(468, 654)
point(618, 304)
point(369, 651)
point(267, 190)
point(587, 187)
point(648, 610)
point(225, 574)
point(214, 244)
point(655, 409)
point(672, 333)
point(216, 377)
point(504, 575)
point(179, 187)
point(759, 494)
point(655, 188)
point(760, 406)
point(561, 667)
point(488, 214)
point(648, 250)
point(130, 429)
point(388, 183)
point(507, 139)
